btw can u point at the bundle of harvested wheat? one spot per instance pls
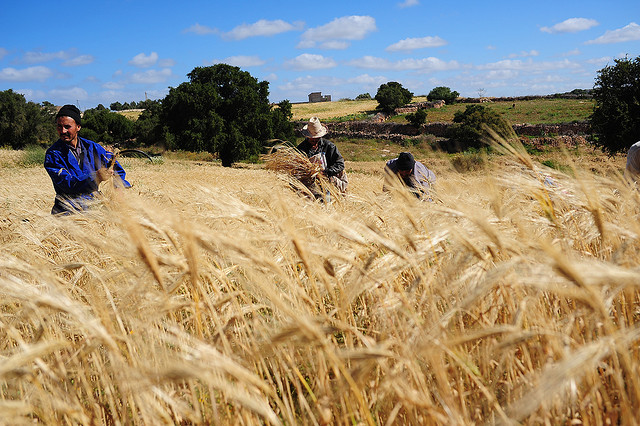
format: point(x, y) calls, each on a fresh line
point(289, 160)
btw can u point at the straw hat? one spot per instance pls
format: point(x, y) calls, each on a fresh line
point(314, 129)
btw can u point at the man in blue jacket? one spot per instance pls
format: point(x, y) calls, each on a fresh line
point(76, 165)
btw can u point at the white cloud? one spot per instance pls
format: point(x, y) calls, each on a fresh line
point(70, 94)
point(408, 3)
point(38, 57)
point(368, 80)
point(429, 64)
point(200, 29)
point(79, 60)
point(629, 33)
point(143, 61)
point(529, 65)
point(308, 61)
point(416, 43)
point(524, 54)
point(306, 84)
point(166, 63)
point(345, 28)
point(262, 28)
point(574, 52)
point(334, 45)
point(38, 73)
point(501, 75)
point(151, 76)
point(113, 85)
point(3, 52)
point(571, 25)
point(32, 95)
point(600, 61)
point(240, 61)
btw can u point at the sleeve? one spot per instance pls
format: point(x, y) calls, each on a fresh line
point(104, 157)
point(335, 162)
point(63, 180)
point(424, 176)
point(302, 147)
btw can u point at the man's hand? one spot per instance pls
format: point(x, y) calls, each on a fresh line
point(104, 174)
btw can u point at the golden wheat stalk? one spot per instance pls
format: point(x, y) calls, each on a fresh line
point(289, 160)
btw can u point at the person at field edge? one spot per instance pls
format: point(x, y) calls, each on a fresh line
point(77, 165)
point(412, 174)
point(323, 152)
point(632, 170)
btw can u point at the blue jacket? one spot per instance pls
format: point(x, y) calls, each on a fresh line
point(75, 184)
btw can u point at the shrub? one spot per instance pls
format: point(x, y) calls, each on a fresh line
point(225, 111)
point(443, 93)
point(101, 125)
point(469, 161)
point(391, 96)
point(24, 123)
point(615, 121)
point(33, 155)
point(469, 128)
point(418, 118)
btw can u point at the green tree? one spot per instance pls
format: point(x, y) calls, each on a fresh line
point(392, 95)
point(24, 123)
point(418, 118)
point(225, 111)
point(102, 125)
point(148, 128)
point(443, 93)
point(615, 121)
point(115, 106)
point(363, 97)
point(469, 128)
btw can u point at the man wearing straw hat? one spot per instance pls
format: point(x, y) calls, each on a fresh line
point(411, 173)
point(324, 152)
point(77, 165)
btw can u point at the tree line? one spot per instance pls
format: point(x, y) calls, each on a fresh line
point(225, 111)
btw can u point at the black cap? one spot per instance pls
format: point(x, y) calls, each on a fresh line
point(405, 161)
point(70, 111)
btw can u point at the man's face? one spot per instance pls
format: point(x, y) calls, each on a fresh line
point(68, 130)
point(404, 173)
point(313, 141)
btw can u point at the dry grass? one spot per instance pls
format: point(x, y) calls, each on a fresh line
point(343, 108)
point(328, 110)
point(216, 295)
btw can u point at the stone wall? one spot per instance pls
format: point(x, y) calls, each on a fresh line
point(411, 108)
point(398, 131)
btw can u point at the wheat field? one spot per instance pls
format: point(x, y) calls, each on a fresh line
point(211, 295)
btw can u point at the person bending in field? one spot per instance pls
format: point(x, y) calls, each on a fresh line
point(414, 175)
point(77, 165)
point(632, 170)
point(323, 152)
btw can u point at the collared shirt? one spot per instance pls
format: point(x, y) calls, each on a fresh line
point(77, 152)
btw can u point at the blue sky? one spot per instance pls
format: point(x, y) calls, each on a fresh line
point(89, 53)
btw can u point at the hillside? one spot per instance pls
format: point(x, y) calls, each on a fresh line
point(535, 111)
